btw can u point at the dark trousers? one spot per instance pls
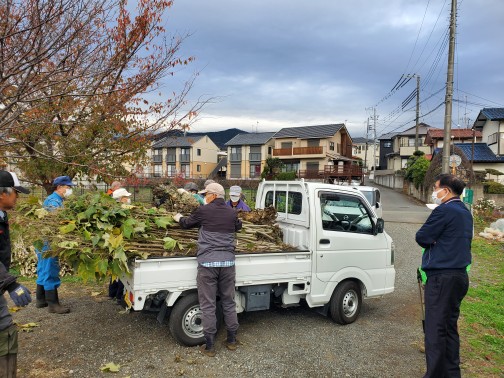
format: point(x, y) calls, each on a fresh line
point(443, 295)
point(213, 282)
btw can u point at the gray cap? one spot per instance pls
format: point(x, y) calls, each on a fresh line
point(191, 186)
point(208, 182)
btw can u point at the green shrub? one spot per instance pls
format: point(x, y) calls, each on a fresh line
point(492, 187)
point(286, 176)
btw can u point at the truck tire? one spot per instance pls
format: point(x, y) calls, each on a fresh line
point(185, 322)
point(346, 303)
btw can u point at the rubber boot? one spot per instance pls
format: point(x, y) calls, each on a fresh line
point(53, 301)
point(208, 349)
point(231, 342)
point(41, 299)
point(8, 366)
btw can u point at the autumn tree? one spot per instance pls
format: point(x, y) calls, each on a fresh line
point(82, 85)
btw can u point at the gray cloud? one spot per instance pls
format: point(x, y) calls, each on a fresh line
point(287, 63)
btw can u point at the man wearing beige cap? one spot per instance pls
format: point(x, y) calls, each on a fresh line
point(218, 224)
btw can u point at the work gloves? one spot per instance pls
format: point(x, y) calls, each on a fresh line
point(177, 217)
point(20, 296)
point(181, 191)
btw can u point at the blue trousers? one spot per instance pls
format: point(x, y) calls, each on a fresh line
point(443, 295)
point(48, 272)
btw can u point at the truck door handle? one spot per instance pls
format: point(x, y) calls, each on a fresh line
point(325, 241)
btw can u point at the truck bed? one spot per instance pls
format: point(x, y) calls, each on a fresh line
point(178, 274)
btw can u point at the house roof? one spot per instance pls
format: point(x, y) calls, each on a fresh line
point(387, 136)
point(361, 140)
point(491, 114)
point(482, 153)
point(249, 138)
point(173, 141)
point(455, 133)
point(422, 130)
point(308, 132)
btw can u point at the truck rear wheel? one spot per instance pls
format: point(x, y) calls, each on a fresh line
point(346, 302)
point(186, 324)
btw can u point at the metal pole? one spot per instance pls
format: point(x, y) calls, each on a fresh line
point(374, 142)
point(367, 138)
point(449, 91)
point(472, 154)
point(417, 109)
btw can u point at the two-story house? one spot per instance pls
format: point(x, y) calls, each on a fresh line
point(247, 154)
point(367, 150)
point(186, 156)
point(319, 152)
point(403, 145)
point(386, 148)
point(435, 137)
point(490, 122)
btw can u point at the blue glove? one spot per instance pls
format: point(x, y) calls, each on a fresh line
point(21, 296)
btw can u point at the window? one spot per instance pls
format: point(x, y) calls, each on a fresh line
point(185, 170)
point(279, 199)
point(331, 146)
point(235, 171)
point(344, 213)
point(198, 152)
point(157, 170)
point(290, 166)
point(255, 170)
point(198, 168)
point(387, 144)
point(171, 170)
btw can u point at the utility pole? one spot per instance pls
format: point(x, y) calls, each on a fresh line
point(449, 91)
point(374, 141)
point(417, 109)
point(367, 138)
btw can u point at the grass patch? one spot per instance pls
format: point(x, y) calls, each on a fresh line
point(482, 312)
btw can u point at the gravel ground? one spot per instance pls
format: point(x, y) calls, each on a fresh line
point(297, 342)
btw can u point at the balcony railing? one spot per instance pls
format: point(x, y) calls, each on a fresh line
point(317, 150)
point(183, 158)
point(171, 158)
point(235, 157)
point(157, 158)
point(254, 156)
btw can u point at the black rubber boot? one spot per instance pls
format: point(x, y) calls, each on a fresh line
point(208, 349)
point(53, 301)
point(231, 342)
point(41, 299)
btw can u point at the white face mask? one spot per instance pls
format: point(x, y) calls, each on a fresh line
point(68, 193)
point(435, 199)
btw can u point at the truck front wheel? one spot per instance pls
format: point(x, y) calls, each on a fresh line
point(185, 323)
point(346, 303)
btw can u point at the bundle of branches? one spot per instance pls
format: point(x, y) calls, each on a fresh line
point(97, 236)
point(167, 197)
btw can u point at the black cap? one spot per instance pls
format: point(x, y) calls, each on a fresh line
point(10, 180)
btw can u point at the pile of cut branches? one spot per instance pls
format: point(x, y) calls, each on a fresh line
point(97, 237)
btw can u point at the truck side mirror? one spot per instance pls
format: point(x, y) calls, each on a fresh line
point(377, 205)
point(380, 224)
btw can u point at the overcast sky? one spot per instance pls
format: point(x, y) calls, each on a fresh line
point(279, 63)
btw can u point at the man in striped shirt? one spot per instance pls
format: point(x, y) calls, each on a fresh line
point(218, 224)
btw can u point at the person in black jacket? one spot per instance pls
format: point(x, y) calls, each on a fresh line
point(216, 264)
point(446, 237)
point(20, 295)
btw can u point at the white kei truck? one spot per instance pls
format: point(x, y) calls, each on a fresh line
point(343, 255)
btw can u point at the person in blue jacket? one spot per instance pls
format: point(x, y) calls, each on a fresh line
point(446, 237)
point(48, 268)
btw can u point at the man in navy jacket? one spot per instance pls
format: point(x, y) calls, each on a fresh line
point(446, 237)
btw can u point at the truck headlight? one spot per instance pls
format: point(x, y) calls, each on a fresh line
point(392, 253)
